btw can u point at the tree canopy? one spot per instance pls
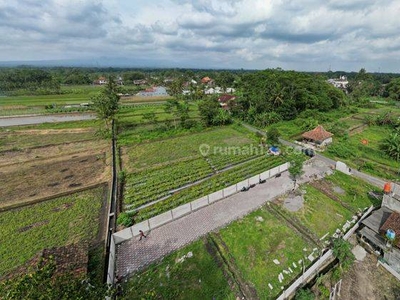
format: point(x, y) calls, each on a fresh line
point(106, 102)
point(286, 94)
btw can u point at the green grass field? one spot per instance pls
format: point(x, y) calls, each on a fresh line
point(355, 191)
point(197, 277)
point(28, 230)
point(320, 213)
point(213, 184)
point(368, 156)
point(255, 244)
point(151, 154)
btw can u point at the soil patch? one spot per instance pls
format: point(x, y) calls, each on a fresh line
point(339, 190)
point(293, 203)
point(367, 281)
point(31, 181)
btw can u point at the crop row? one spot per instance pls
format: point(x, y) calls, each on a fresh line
point(221, 160)
point(147, 186)
point(211, 185)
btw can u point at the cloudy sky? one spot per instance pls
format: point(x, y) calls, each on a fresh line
point(310, 35)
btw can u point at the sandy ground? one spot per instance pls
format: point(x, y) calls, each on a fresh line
point(367, 281)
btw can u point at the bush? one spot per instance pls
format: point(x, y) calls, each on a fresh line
point(273, 135)
point(304, 294)
point(340, 151)
point(125, 219)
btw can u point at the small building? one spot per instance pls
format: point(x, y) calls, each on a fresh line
point(140, 82)
point(154, 91)
point(318, 136)
point(340, 82)
point(100, 81)
point(205, 80)
point(375, 229)
point(225, 100)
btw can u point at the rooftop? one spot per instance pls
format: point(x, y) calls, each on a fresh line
point(317, 134)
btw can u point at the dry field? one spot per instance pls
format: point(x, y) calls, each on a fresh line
point(48, 163)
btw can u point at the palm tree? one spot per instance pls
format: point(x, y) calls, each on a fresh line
point(391, 145)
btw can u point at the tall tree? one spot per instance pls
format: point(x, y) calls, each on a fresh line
point(106, 103)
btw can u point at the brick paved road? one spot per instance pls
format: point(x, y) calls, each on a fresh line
point(133, 255)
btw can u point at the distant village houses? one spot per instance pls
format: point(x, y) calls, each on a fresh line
point(140, 82)
point(153, 91)
point(340, 82)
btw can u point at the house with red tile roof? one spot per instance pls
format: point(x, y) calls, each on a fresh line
point(318, 136)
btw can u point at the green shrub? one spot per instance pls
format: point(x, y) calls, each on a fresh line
point(304, 294)
point(125, 219)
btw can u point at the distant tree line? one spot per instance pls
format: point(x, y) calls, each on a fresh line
point(271, 85)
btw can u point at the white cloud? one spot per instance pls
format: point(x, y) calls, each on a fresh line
point(294, 34)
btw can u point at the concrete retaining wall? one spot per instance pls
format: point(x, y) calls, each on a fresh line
point(254, 179)
point(111, 263)
point(160, 219)
point(216, 196)
point(230, 190)
point(199, 203)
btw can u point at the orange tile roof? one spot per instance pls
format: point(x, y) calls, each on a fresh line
point(393, 222)
point(317, 134)
point(206, 79)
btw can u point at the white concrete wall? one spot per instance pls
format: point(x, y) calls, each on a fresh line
point(342, 167)
point(274, 171)
point(199, 203)
point(265, 175)
point(244, 183)
point(111, 263)
point(181, 210)
point(254, 179)
point(230, 190)
point(215, 196)
point(160, 219)
point(144, 226)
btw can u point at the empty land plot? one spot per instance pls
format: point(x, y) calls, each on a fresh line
point(320, 213)
point(136, 99)
point(38, 153)
point(351, 190)
point(58, 222)
point(255, 241)
point(26, 182)
point(22, 139)
point(190, 273)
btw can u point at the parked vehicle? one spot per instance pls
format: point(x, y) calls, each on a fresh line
point(309, 152)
